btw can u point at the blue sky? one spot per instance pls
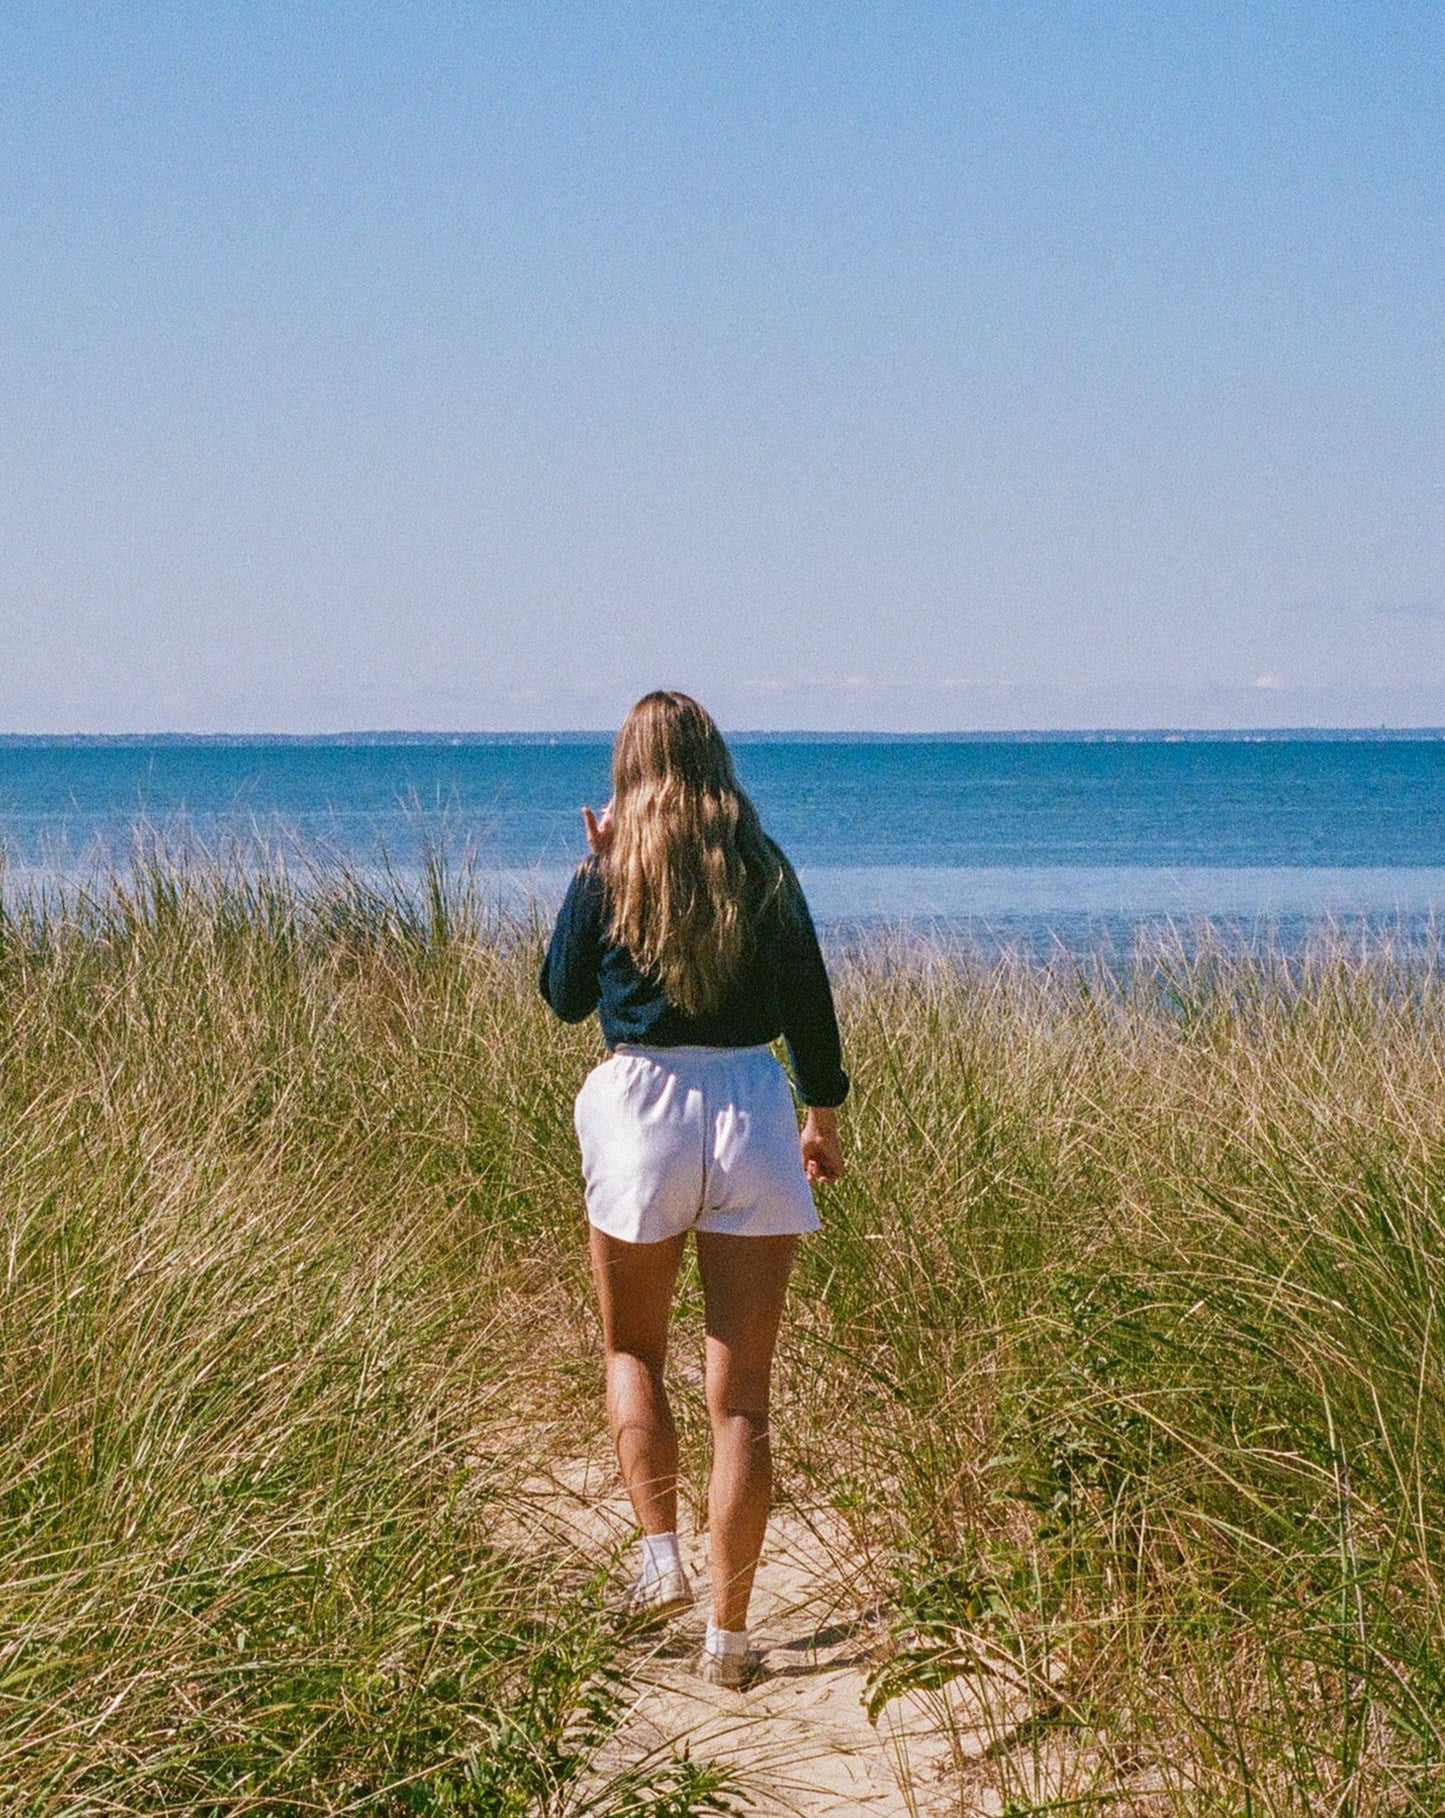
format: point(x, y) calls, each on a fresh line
point(893, 366)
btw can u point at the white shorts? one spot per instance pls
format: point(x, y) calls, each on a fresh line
point(692, 1138)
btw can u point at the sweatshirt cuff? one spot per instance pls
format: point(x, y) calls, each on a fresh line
point(825, 1094)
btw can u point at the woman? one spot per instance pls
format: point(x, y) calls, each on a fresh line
point(687, 931)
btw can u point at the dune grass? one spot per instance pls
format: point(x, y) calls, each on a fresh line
point(1119, 1357)
point(280, 1208)
point(1139, 1289)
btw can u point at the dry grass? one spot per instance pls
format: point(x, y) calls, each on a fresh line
point(280, 1209)
point(1119, 1354)
point(1134, 1294)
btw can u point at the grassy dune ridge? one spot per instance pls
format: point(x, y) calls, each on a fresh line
point(1119, 1356)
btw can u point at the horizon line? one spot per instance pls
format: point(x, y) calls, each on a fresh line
point(760, 735)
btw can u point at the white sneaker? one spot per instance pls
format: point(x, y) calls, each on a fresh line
point(655, 1599)
point(736, 1671)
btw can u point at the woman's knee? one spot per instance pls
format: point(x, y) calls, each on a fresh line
point(727, 1401)
point(637, 1359)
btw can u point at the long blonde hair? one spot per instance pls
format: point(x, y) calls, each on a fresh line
point(688, 866)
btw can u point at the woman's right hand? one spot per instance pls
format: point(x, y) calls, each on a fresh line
point(599, 829)
point(822, 1148)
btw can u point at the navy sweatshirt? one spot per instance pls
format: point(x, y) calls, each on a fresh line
point(781, 988)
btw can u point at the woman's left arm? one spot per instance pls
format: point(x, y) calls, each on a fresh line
point(810, 1023)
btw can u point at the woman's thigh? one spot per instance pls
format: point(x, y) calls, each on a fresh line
point(635, 1284)
point(744, 1284)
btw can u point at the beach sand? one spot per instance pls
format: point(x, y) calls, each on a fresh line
point(800, 1740)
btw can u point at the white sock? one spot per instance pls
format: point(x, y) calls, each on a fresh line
point(660, 1555)
point(726, 1641)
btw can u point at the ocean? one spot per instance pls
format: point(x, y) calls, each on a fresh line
point(1028, 838)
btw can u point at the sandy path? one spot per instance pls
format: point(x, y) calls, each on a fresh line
point(801, 1737)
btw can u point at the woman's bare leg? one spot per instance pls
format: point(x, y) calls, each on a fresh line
point(634, 1288)
point(744, 1282)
